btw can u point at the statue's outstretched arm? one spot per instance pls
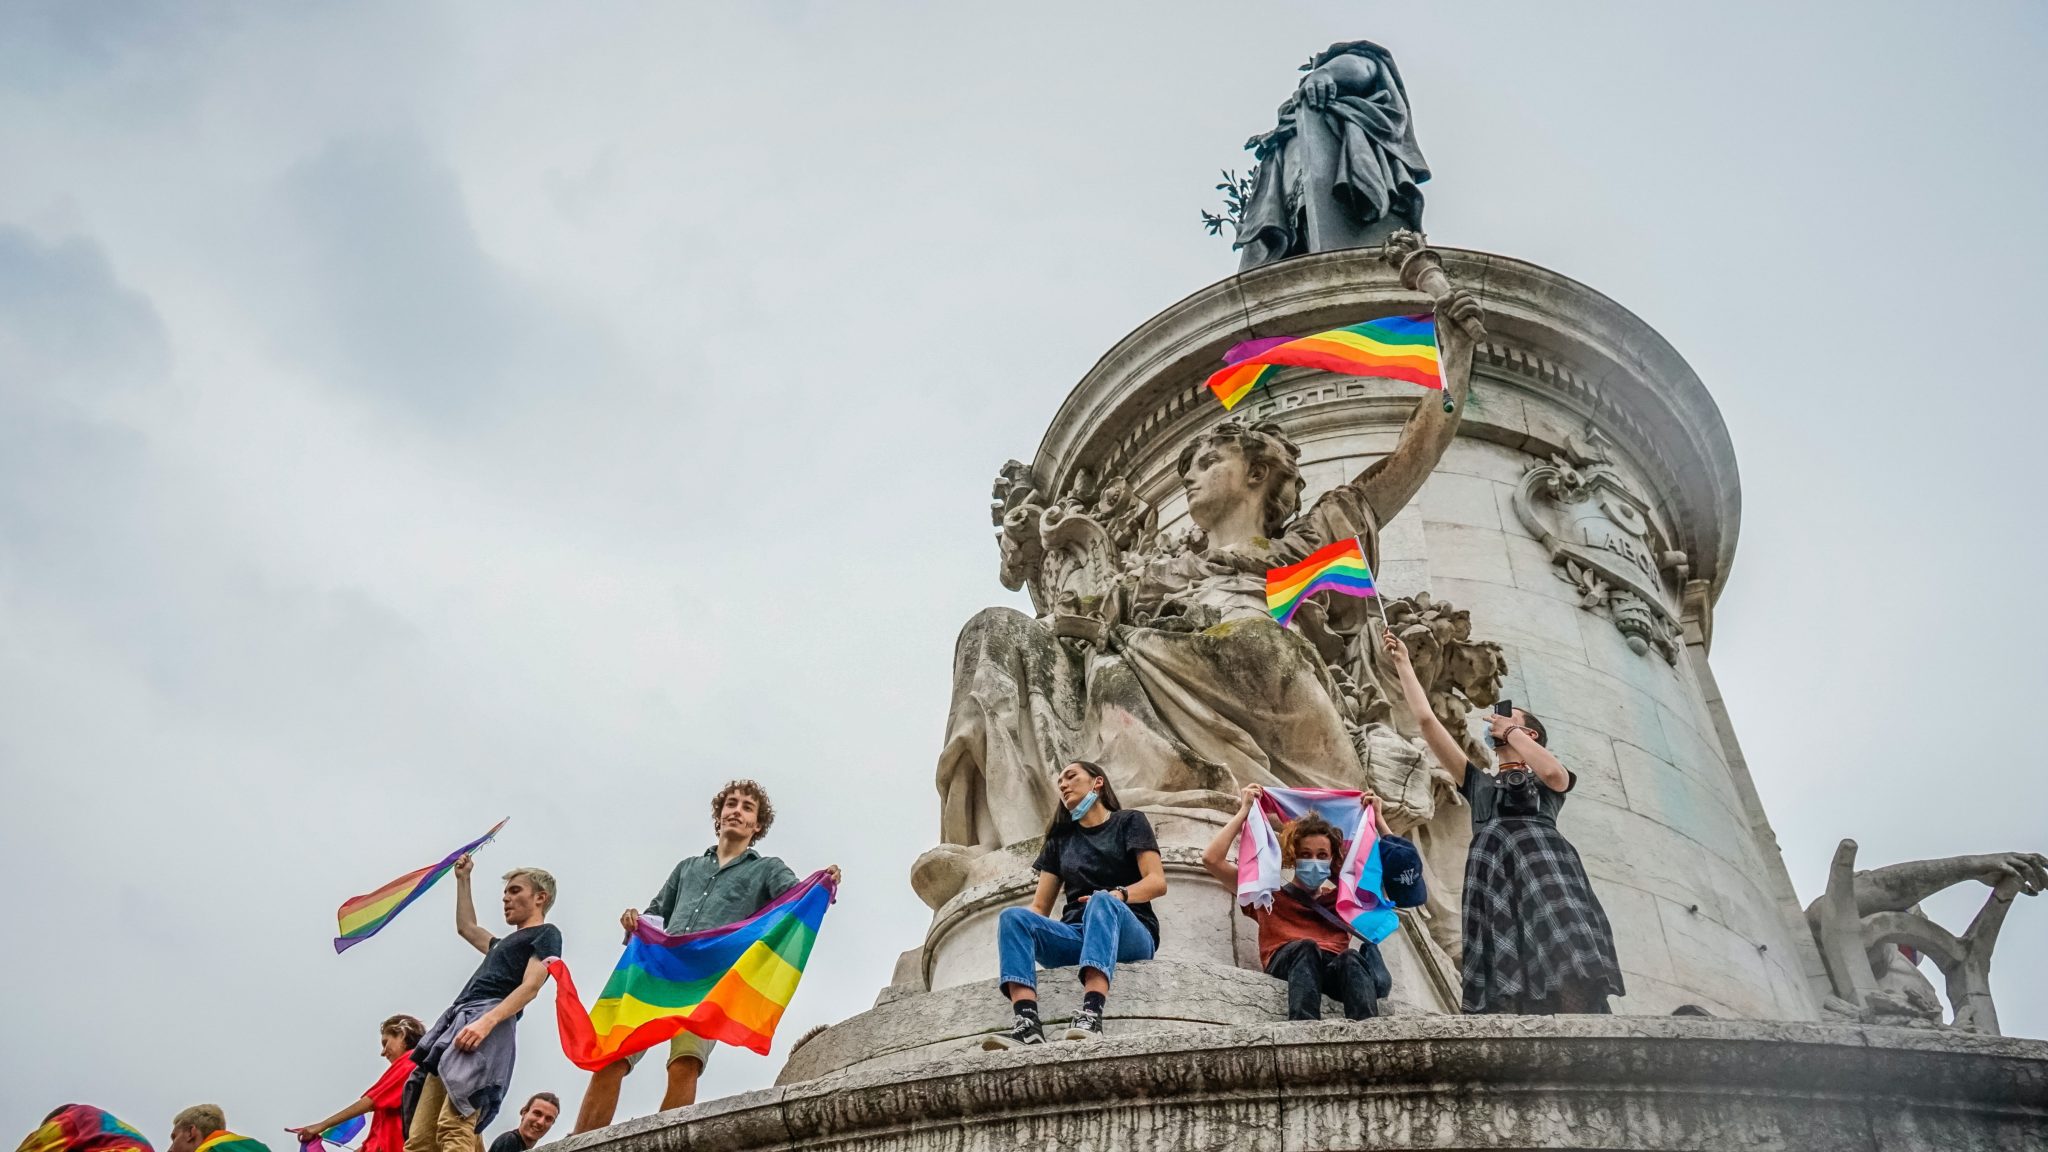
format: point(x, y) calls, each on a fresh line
point(1898, 887)
point(1392, 480)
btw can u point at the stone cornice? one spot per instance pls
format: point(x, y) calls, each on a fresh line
point(1547, 333)
point(1409, 1082)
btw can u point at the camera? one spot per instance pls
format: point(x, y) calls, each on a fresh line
point(1515, 793)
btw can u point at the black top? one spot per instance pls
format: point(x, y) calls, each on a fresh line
point(504, 965)
point(1090, 860)
point(509, 1142)
point(1482, 791)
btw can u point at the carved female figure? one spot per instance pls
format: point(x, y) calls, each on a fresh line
point(1157, 659)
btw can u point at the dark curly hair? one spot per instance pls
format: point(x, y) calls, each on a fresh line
point(1295, 831)
point(1263, 444)
point(761, 801)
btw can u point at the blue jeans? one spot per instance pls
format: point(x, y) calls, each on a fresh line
point(1109, 933)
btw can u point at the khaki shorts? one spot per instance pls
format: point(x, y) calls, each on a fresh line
point(684, 1044)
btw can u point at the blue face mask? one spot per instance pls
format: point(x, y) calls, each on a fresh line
point(1312, 874)
point(1081, 809)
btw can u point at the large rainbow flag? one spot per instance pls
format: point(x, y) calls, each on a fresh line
point(361, 917)
point(1361, 891)
point(83, 1128)
point(1338, 567)
point(1396, 347)
point(728, 984)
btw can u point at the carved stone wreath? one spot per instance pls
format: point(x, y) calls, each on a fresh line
point(1604, 542)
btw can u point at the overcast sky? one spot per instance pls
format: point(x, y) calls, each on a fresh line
point(413, 415)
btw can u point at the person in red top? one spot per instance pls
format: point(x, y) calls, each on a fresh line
point(397, 1035)
point(1308, 948)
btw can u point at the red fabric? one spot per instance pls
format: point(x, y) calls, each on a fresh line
point(1289, 920)
point(387, 1126)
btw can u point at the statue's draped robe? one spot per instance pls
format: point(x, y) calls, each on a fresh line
point(1177, 718)
point(1376, 172)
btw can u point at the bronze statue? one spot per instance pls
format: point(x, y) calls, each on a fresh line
point(1341, 169)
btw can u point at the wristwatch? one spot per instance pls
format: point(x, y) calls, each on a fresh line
point(1122, 893)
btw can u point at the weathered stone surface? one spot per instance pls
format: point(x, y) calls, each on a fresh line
point(1483, 1082)
point(1149, 996)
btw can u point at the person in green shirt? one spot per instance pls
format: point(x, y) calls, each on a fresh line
point(729, 882)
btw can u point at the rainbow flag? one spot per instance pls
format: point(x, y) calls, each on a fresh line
point(1361, 890)
point(225, 1141)
point(1338, 567)
point(83, 1128)
point(345, 1131)
point(361, 917)
point(728, 984)
point(1396, 347)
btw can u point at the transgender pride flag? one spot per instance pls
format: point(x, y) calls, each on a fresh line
point(1361, 896)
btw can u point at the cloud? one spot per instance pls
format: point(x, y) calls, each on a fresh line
point(373, 279)
point(75, 346)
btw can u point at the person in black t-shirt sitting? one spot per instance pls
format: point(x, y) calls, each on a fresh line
point(534, 1121)
point(1107, 860)
point(463, 1065)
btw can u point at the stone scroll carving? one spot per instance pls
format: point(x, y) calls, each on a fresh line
point(1605, 542)
point(1865, 923)
point(1070, 553)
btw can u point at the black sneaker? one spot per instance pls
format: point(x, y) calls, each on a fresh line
point(1087, 1025)
point(1023, 1030)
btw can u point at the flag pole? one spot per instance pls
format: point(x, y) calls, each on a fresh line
point(1382, 608)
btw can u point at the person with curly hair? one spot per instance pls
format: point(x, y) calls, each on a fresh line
point(726, 883)
point(1302, 941)
point(382, 1103)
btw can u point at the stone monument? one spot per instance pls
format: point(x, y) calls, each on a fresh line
point(1558, 534)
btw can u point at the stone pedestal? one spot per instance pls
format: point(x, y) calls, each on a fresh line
point(1479, 1082)
point(1586, 515)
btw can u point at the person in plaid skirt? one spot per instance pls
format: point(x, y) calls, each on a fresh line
point(1537, 941)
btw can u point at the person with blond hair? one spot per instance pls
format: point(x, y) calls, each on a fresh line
point(463, 1065)
point(1303, 943)
point(190, 1128)
point(724, 884)
point(385, 1099)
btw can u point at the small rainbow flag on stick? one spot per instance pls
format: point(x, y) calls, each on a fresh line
point(345, 1131)
point(728, 984)
point(362, 917)
point(1338, 567)
point(1396, 347)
